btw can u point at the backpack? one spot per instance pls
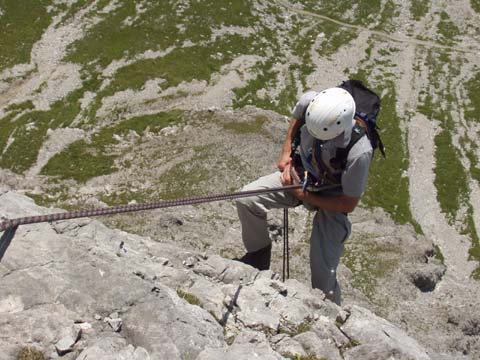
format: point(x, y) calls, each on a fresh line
point(367, 105)
point(367, 108)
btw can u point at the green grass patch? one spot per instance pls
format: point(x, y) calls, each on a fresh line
point(188, 178)
point(419, 8)
point(39, 199)
point(447, 29)
point(300, 329)
point(390, 191)
point(249, 127)
point(30, 353)
point(125, 196)
point(307, 357)
point(300, 46)
point(190, 298)
point(71, 9)
point(387, 184)
point(28, 132)
point(369, 261)
point(21, 25)
point(438, 254)
point(474, 164)
point(476, 274)
point(475, 5)
point(156, 30)
point(474, 251)
point(84, 160)
point(183, 64)
point(80, 161)
point(389, 12)
point(450, 177)
point(472, 110)
point(26, 105)
point(266, 78)
point(363, 9)
point(336, 36)
point(288, 96)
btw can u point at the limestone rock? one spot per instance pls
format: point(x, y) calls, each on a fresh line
point(254, 312)
point(368, 329)
point(227, 271)
point(170, 327)
point(210, 295)
point(376, 352)
point(326, 328)
point(115, 323)
point(248, 344)
point(288, 347)
point(113, 348)
point(319, 348)
point(64, 345)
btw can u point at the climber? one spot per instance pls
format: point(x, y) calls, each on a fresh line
point(324, 122)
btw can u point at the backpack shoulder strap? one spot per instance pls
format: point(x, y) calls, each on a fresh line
point(340, 159)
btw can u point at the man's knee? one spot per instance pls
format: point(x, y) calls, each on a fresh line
point(243, 202)
point(251, 206)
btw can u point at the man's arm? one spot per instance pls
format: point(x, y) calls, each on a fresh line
point(287, 145)
point(340, 203)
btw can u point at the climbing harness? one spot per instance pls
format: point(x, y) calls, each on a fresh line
point(13, 223)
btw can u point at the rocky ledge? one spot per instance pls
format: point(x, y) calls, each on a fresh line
point(80, 290)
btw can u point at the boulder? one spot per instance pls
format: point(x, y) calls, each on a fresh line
point(319, 348)
point(171, 328)
point(113, 348)
point(366, 328)
point(247, 345)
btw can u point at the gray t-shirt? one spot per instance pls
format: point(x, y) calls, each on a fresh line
point(354, 176)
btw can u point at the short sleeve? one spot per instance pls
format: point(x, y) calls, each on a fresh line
point(298, 111)
point(355, 175)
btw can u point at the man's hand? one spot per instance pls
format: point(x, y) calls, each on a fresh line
point(287, 178)
point(284, 160)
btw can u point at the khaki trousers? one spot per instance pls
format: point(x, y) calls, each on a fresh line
point(329, 232)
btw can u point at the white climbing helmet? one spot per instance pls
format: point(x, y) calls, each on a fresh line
point(330, 113)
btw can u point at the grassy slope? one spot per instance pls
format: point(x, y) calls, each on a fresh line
point(21, 25)
point(83, 160)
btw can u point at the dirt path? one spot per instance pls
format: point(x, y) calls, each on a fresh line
point(384, 35)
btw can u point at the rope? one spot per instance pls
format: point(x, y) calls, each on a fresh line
point(13, 223)
point(286, 252)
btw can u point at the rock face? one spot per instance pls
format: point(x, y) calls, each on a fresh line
point(78, 289)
